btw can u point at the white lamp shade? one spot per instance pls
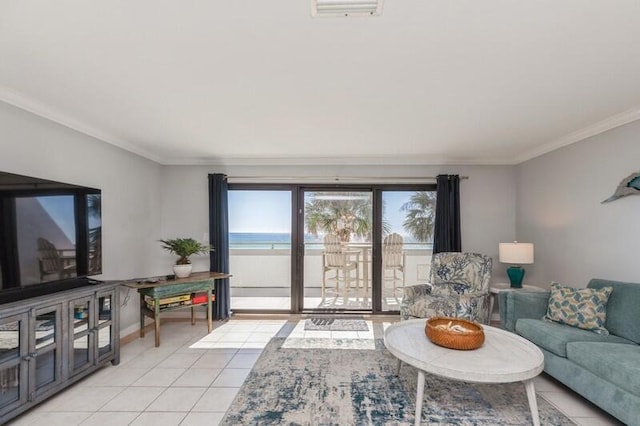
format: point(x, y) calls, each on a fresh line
point(516, 253)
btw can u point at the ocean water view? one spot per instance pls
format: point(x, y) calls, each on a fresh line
point(266, 240)
point(276, 240)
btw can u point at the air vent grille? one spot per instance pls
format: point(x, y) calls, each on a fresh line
point(346, 7)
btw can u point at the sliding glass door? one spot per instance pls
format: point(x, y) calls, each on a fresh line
point(326, 248)
point(260, 249)
point(338, 227)
point(407, 242)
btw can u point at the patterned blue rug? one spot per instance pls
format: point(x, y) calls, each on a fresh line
point(291, 386)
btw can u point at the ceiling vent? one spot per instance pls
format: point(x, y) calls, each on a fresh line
point(346, 7)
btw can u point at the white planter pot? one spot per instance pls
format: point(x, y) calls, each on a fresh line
point(182, 271)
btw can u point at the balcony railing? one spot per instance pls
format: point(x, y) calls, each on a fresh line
point(265, 270)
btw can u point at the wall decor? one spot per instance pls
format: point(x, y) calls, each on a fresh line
point(629, 186)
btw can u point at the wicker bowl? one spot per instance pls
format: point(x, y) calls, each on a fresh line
point(437, 332)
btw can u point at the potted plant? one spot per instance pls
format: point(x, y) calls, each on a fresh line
point(184, 247)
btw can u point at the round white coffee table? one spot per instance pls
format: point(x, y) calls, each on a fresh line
point(503, 358)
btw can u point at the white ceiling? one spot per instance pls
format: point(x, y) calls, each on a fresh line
point(256, 81)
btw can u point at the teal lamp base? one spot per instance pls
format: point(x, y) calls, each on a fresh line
point(516, 274)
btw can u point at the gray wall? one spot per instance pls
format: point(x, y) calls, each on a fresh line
point(558, 209)
point(144, 201)
point(34, 146)
point(487, 199)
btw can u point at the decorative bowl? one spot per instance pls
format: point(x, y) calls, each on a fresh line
point(454, 333)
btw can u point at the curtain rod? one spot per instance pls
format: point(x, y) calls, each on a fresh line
point(341, 178)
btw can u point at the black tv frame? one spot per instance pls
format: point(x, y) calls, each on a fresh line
point(13, 186)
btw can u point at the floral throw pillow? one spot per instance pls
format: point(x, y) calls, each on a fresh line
point(584, 308)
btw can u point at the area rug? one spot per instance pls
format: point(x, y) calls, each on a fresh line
point(335, 324)
point(359, 387)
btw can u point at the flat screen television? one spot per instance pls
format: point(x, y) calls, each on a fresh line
point(50, 236)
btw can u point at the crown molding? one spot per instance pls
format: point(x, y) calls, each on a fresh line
point(42, 110)
point(383, 160)
point(45, 111)
point(612, 122)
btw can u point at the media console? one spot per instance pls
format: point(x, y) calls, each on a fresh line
point(49, 342)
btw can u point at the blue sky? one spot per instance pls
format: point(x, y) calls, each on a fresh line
point(270, 211)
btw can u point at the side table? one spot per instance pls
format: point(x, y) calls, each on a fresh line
point(497, 288)
point(196, 283)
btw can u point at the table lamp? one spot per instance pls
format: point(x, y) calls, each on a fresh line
point(517, 254)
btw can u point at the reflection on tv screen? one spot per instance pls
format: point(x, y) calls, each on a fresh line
point(46, 230)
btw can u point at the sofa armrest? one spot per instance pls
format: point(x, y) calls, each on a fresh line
point(516, 304)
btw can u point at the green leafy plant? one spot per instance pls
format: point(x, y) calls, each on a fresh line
point(185, 247)
point(420, 215)
point(343, 216)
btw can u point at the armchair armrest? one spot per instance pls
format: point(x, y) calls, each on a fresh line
point(475, 306)
point(415, 292)
point(515, 305)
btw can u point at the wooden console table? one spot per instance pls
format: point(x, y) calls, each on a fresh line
point(197, 283)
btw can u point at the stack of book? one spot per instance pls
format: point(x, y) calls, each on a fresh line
point(169, 302)
point(201, 298)
point(180, 300)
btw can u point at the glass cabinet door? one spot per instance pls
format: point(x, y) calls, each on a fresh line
point(46, 346)
point(81, 342)
point(14, 357)
point(105, 324)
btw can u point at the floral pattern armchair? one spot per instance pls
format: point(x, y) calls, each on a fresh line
point(459, 287)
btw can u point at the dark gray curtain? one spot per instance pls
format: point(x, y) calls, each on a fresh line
point(219, 240)
point(446, 235)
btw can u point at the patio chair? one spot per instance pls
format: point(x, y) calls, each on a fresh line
point(342, 262)
point(50, 261)
point(393, 260)
point(459, 287)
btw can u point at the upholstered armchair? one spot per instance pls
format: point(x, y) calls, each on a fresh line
point(458, 287)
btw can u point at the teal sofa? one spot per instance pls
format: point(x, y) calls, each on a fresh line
point(603, 369)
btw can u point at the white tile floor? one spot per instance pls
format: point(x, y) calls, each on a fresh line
point(193, 377)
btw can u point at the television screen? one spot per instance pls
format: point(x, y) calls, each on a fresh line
point(50, 235)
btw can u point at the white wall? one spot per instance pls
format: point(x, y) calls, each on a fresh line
point(558, 209)
point(30, 145)
point(487, 199)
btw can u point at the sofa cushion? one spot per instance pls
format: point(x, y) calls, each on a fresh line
point(613, 362)
point(554, 337)
point(584, 308)
point(623, 304)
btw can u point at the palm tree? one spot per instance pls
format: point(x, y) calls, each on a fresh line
point(94, 210)
point(421, 212)
point(347, 214)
